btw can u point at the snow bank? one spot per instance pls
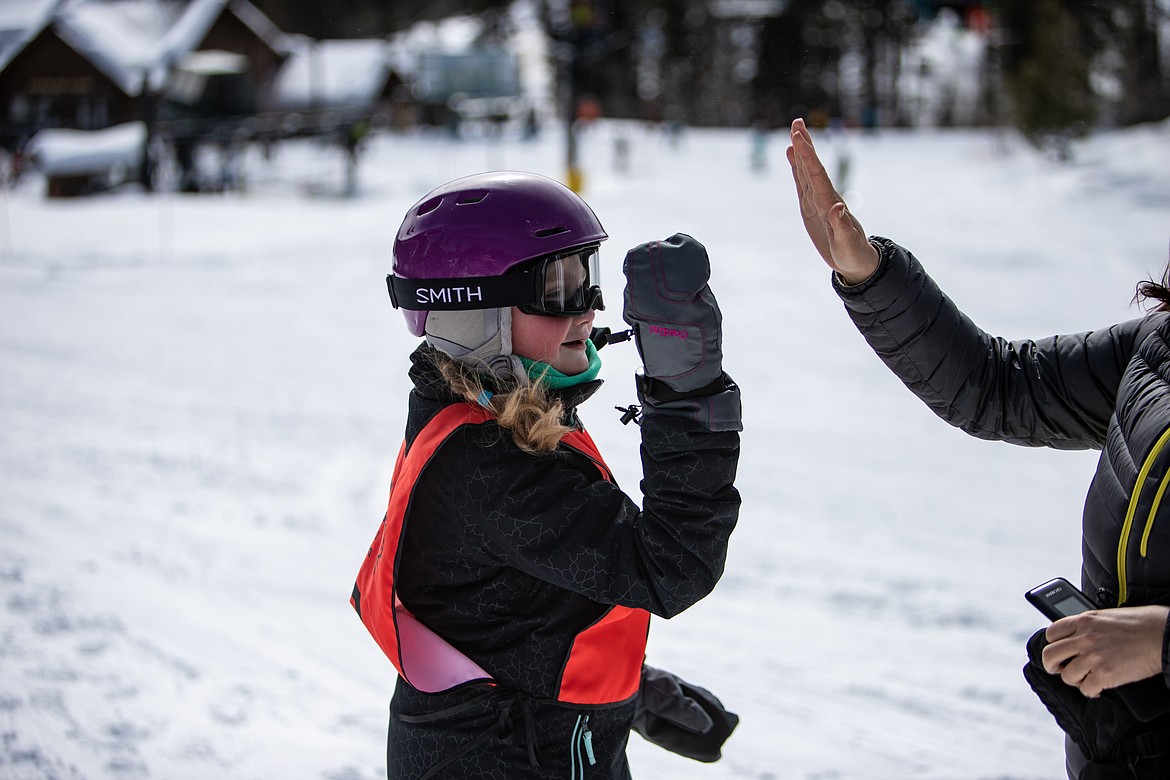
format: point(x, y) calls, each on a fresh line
point(58, 152)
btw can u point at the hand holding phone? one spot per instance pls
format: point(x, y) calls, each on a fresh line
point(1058, 599)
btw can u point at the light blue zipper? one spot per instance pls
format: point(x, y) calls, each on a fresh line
point(582, 737)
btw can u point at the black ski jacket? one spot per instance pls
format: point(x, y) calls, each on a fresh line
point(1106, 390)
point(508, 556)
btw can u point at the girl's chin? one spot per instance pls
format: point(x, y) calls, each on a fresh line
point(572, 360)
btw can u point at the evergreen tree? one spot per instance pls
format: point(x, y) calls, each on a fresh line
point(1144, 94)
point(673, 59)
point(1046, 71)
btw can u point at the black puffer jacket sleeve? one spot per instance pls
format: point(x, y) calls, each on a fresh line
point(553, 518)
point(1056, 392)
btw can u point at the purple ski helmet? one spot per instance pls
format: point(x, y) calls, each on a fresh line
point(487, 223)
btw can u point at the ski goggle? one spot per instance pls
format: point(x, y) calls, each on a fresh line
point(571, 284)
point(566, 284)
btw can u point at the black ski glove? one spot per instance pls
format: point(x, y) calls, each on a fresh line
point(1065, 702)
point(1100, 724)
point(681, 717)
point(678, 329)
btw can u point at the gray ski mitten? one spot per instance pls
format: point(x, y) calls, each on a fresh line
point(678, 329)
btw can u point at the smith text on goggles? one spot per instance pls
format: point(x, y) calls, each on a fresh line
point(560, 285)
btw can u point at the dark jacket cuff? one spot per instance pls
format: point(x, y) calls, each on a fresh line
point(887, 251)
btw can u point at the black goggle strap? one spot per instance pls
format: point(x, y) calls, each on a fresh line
point(468, 292)
point(532, 289)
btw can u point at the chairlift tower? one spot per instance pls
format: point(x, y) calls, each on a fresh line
point(581, 26)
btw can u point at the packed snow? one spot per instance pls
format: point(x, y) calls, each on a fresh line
point(201, 398)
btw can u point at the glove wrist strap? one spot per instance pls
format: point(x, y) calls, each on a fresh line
point(656, 389)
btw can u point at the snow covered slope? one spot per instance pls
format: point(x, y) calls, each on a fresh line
point(201, 398)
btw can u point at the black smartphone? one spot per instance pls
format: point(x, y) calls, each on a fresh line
point(1059, 598)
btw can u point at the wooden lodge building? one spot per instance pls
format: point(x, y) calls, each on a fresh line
point(187, 72)
point(88, 65)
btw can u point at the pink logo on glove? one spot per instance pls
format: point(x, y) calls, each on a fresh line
point(660, 331)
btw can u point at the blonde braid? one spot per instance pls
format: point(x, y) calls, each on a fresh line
point(527, 410)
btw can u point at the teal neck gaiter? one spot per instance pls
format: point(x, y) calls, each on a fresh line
point(555, 380)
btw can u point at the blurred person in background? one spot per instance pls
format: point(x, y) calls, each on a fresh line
point(511, 582)
point(1104, 674)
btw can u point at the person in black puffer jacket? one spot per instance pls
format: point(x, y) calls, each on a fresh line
point(511, 582)
point(1104, 674)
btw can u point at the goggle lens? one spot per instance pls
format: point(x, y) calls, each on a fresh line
point(571, 284)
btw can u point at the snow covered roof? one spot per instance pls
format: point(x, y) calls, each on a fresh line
point(454, 33)
point(353, 72)
point(333, 73)
point(255, 20)
point(200, 15)
point(19, 15)
point(131, 41)
point(20, 22)
point(121, 38)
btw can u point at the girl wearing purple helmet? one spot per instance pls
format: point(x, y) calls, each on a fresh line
point(511, 581)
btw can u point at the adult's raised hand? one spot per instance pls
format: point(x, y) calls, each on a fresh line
point(835, 232)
